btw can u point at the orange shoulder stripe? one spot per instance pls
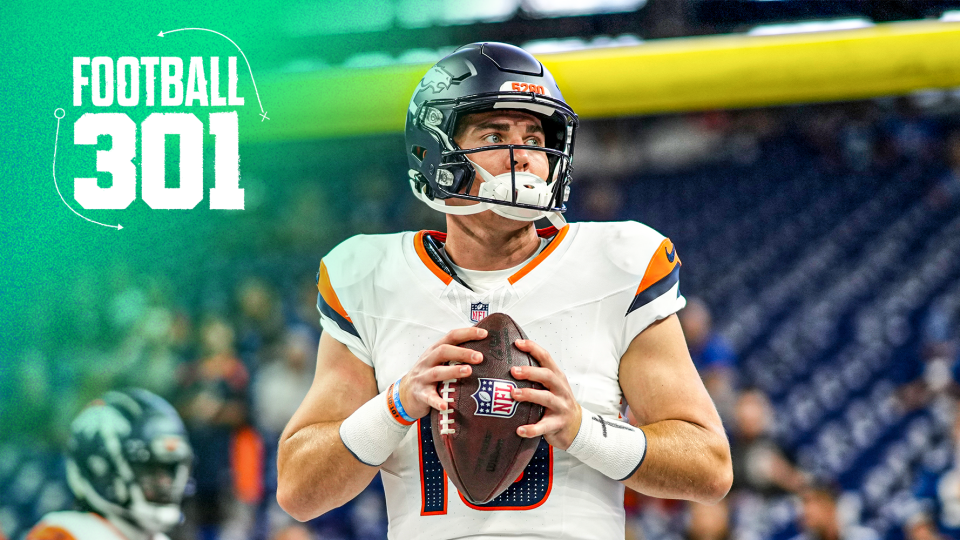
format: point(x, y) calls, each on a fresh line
point(661, 264)
point(422, 253)
point(49, 532)
point(328, 294)
point(541, 256)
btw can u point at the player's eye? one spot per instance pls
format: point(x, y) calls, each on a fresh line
point(533, 141)
point(493, 138)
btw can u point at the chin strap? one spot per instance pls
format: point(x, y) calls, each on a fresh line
point(440, 204)
point(531, 189)
point(557, 220)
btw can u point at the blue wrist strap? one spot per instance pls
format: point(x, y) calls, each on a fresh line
point(399, 406)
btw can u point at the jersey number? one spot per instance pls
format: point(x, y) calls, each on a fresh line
point(529, 491)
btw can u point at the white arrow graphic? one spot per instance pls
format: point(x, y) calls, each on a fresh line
point(263, 113)
point(58, 114)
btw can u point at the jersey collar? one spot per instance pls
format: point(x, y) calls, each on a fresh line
point(426, 243)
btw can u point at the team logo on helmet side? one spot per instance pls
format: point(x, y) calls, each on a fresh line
point(100, 418)
point(439, 79)
point(493, 398)
point(436, 79)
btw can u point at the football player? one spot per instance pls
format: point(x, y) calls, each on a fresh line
point(490, 142)
point(128, 462)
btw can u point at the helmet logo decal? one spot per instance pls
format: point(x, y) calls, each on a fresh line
point(101, 419)
point(439, 79)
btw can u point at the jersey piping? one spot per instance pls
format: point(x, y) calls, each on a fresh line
point(661, 275)
point(329, 304)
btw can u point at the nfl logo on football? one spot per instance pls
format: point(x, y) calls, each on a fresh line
point(478, 311)
point(493, 398)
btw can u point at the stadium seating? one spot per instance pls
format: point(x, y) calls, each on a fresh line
point(818, 273)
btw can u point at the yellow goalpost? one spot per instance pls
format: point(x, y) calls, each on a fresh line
point(684, 74)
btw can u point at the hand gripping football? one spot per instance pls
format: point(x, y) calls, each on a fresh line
point(476, 437)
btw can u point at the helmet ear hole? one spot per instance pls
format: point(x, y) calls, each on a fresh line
point(419, 152)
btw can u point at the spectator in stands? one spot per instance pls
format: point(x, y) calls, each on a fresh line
point(709, 522)
point(278, 389)
point(281, 384)
point(712, 355)
point(933, 377)
point(293, 532)
point(763, 476)
point(820, 519)
point(260, 325)
point(759, 464)
point(936, 510)
point(149, 352)
point(213, 405)
point(303, 309)
point(603, 201)
point(946, 191)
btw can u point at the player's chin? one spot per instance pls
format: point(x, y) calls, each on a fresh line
point(503, 223)
point(489, 221)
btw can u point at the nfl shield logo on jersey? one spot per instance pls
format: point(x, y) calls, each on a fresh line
point(478, 311)
point(493, 398)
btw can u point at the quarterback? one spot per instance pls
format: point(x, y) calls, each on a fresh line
point(490, 141)
point(128, 463)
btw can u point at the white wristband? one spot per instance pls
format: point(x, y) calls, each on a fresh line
point(612, 447)
point(371, 433)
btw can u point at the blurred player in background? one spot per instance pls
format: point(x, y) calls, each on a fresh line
point(128, 463)
point(490, 142)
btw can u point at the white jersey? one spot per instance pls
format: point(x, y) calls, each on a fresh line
point(584, 298)
point(69, 525)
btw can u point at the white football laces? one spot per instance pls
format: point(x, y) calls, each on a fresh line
point(446, 422)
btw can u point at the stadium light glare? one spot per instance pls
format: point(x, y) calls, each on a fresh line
point(810, 26)
point(541, 46)
point(424, 13)
point(952, 15)
point(568, 8)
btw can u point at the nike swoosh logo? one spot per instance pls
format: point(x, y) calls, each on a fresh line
point(671, 254)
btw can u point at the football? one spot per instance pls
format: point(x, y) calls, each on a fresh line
point(476, 437)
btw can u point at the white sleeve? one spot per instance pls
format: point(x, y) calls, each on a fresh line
point(345, 336)
point(333, 303)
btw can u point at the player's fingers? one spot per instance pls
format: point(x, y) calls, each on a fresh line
point(461, 335)
point(541, 375)
point(539, 353)
point(550, 424)
point(451, 353)
point(445, 373)
point(540, 397)
point(429, 395)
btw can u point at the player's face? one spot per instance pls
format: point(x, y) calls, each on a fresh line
point(157, 482)
point(499, 128)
